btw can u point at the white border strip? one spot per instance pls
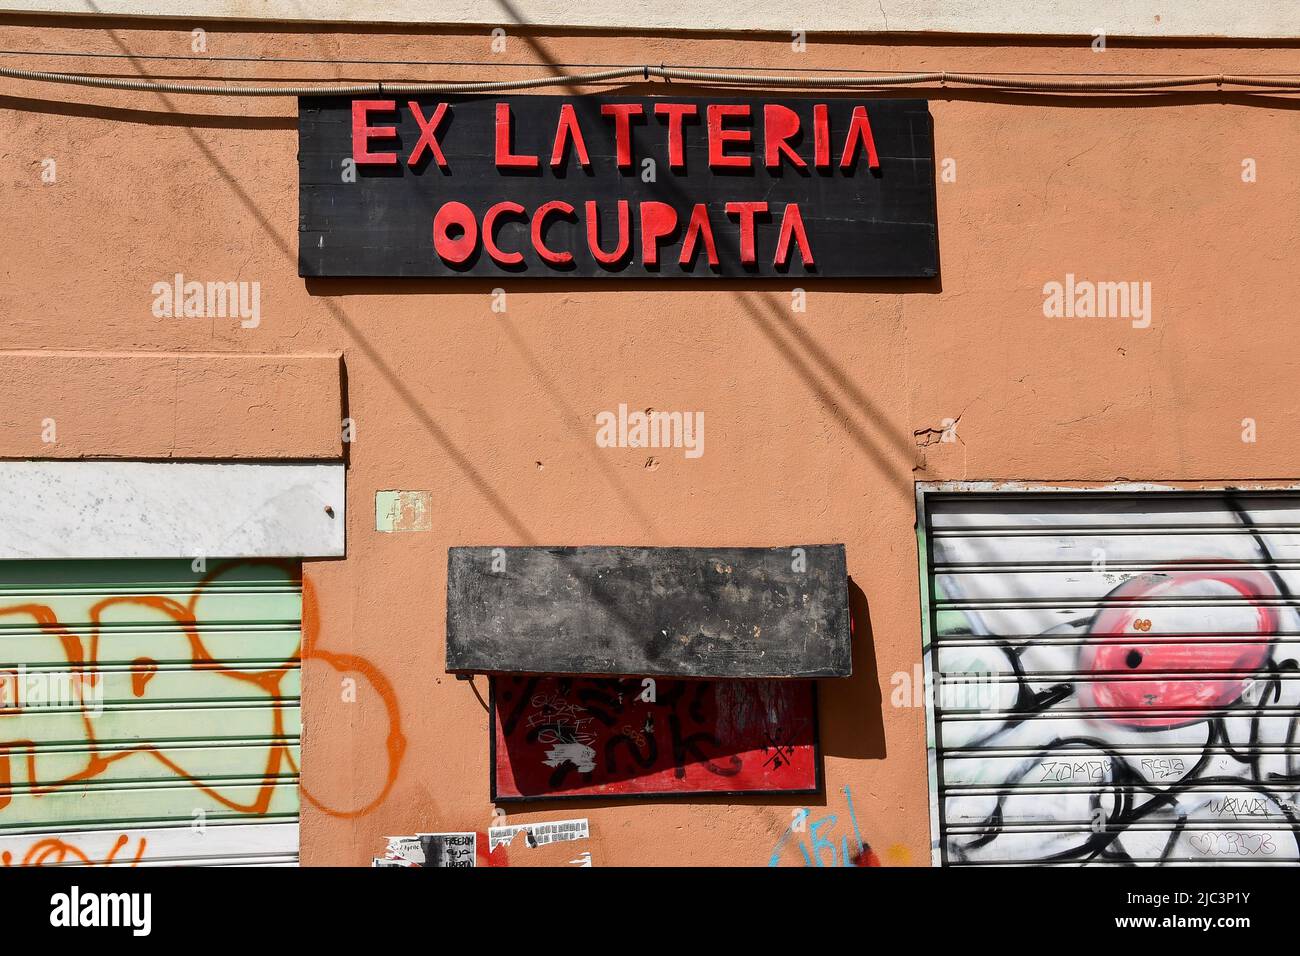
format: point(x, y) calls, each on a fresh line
point(1117, 18)
point(138, 509)
point(272, 842)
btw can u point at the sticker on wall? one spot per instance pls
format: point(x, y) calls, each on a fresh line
point(405, 851)
point(457, 849)
point(403, 511)
point(449, 849)
point(556, 737)
point(539, 834)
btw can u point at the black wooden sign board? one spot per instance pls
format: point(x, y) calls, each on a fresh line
point(611, 186)
point(732, 613)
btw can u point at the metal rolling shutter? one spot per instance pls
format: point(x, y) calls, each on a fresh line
point(150, 713)
point(1116, 677)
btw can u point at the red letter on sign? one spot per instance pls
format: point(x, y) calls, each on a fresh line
point(859, 129)
point(792, 225)
point(699, 228)
point(455, 233)
point(363, 132)
point(593, 237)
point(821, 137)
point(622, 113)
point(675, 113)
point(719, 137)
point(539, 226)
point(746, 211)
point(568, 128)
point(489, 233)
point(428, 134)
point(506, 159)
point(658, 220)
point(780, 125)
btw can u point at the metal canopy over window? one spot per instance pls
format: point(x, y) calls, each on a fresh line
point(673, 612)
point(1114, 676)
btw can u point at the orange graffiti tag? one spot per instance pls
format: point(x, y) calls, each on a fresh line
point(83, 661)
point(53, 850)
point(395, 742)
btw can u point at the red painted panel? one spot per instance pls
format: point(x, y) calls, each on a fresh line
point(581, 736)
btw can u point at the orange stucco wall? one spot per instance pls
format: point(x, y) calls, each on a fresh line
point(816, 421)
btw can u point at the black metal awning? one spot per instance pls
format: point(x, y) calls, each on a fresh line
point(718, 613)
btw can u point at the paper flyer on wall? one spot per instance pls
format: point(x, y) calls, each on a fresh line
point(539, 834)
point(449, 849)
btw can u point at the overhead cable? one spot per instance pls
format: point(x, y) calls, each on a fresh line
point(1250, 83)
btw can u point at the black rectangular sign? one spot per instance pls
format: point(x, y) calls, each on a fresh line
point(728, 613)
point(610, 186)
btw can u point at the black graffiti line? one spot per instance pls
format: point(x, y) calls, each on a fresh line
point(1247, 522)
point(1173, 839)
point(1121, 816)
point(686, 747)
point(645, 762)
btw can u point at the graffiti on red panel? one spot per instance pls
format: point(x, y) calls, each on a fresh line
point(566, 736)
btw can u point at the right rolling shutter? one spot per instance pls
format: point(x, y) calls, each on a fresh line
point(1116, 677)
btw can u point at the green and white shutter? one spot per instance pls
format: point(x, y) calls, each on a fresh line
point(149, 712)
point(150, 646)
